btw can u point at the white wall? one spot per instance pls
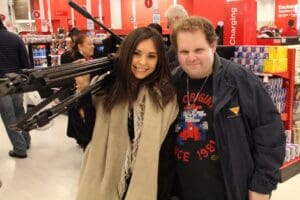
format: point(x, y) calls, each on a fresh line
point(265, 13)
point(4, 8)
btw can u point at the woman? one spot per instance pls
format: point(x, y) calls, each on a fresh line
point(82, 115)
point(135, 110)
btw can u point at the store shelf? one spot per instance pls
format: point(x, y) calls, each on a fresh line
point(289, 169)
point(285, 75)
point(278, 41)
point(282, 74)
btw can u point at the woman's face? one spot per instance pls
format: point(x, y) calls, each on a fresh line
point(144, 60)
point(87, 47)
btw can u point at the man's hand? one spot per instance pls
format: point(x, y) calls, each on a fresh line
point(258, 196)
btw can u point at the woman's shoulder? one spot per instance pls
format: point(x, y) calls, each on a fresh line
point(75, 55)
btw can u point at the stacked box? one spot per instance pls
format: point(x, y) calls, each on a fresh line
point(251, 57)
point(296, 133)
point(288, 134)
point(292, 151)
point(269, 59)
point(297, 67)
point(277, 93)
point(277, 61)
point(275, 65)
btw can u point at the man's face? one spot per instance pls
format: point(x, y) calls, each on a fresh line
point(195, 55)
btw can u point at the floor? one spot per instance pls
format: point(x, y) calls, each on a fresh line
point(51, 170)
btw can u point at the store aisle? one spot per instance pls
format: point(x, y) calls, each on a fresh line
point(51, 170)
point(289, 190)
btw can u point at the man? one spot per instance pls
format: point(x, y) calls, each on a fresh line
point(13, 58)
point(230, 138)
point(173, 14)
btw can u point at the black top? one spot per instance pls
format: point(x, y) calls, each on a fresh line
point(13, 53)
point(198, 165)
point(80, 128)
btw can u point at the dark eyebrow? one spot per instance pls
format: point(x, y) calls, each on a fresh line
point(199, 49)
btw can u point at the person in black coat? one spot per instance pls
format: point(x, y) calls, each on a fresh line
point(82, 115)
point(66, 56)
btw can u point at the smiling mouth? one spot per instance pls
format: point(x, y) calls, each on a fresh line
point(140, 69)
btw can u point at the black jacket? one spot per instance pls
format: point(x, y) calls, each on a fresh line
point(251, 143)
point(78, 128)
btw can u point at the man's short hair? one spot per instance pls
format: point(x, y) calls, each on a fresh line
point(176, 11)
point(193, 24)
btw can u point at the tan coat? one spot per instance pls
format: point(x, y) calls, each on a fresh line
point(105, 155)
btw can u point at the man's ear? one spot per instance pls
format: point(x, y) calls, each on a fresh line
point(214, 46)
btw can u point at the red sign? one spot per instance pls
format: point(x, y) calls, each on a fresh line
point(36, 14)
point(240, 23)
point(148, 3)
point(61, 13)
point(2, 17)
point(284, 11)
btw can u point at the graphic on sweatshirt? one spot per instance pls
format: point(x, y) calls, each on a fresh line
point(190, 124)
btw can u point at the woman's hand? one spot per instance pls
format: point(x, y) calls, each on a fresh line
point(83, 81)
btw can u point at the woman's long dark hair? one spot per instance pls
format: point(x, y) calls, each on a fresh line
point(124, 87)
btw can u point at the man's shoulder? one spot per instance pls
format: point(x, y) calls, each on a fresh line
point(239, 73)
point(5, 33)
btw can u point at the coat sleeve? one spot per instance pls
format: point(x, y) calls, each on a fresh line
point(23, 55)
point(267, 134)
point(166, 169)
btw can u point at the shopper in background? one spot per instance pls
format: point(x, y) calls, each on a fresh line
point(82, 115)
point(173, 14)
point(159, 29)
point(110, 45)
point(290, 30)
point(230, 138)
point(156, 27)
point(66, 56)
point(135, 110)
point(13, 58)
point(220, 32)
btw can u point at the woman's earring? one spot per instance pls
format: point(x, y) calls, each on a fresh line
point(81, 52)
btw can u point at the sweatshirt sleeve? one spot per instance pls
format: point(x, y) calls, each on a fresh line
point(23, 55)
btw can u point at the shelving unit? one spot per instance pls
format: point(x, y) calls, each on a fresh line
point(291, 168)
